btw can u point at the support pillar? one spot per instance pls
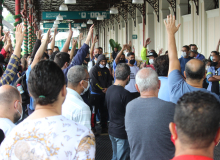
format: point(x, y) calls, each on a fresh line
point(1, 18)
point(25, 28)
point(17, 15)
point(30, 28)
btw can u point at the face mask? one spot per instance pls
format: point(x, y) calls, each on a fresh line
point(86, 89)
point(194, 51)
point(184, 54)
point(214, 63)
point(122, 61)
point(20, 113)
point(87, 59)
point(211, 58)
point(151, 61)
point(101, 66)
point(132, 61)
point(207, 67)
point(97, 55)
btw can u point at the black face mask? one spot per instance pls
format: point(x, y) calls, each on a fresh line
point(214, 63)
point(132, 61)
point(97, 55)
point(87, 59)
point(122, 61)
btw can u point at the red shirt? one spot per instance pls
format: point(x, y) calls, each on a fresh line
point(191, 157)
point(3, 52)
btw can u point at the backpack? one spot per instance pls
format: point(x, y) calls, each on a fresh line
point(21, 85)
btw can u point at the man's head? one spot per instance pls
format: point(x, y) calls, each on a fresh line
point(78, 79)
point(56, 49)
point(152, 55)
point(215, 60)
point(50, 52)
point(115, 49)
point(46, 84)
point(122, 72)
point(46, 51)
point(96, 53)
point(45, 56)
point(100, 50)
point(213, 53)
point(161, 65)
point(122, 58)
point(193, 47)
point(131, 58)
point(101, 61)
point(11, 103)
point(62, 59)
point(185, 51)
point(196, 122)
point(194, 70)
point(147, 81)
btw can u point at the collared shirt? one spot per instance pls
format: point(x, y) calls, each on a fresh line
point(210, 73)
point(74, 108)
point(10, 71)
point(6, 125)
point(191, 157)
point(164, 91)
point(200, 57)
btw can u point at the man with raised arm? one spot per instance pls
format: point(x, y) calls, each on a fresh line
point(194, 70)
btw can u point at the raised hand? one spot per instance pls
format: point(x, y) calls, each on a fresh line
point(56, 32)
point(160, 51)
point(39, 34)
point(219, 42)
point(70, 30)
point(74, 42)
point(1, 37)
point(19, 35)
point(90, 34)
point(48, 36)
point(95, 39)
point(124, 46)
point(80, 36)
point(170, 25)
point(147, 42)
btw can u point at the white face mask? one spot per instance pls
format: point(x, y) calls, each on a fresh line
point(21, 112)
point(207, 68)
point(86, 89)
point(184, 54)
point(126, 53)
point(151, 61)
point(101, 66)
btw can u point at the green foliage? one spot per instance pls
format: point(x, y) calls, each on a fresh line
point(9, 18)
point(17, 16)
point(114, 44)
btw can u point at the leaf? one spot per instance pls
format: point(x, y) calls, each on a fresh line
point(112, 44)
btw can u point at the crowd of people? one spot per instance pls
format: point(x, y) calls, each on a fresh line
point(51, 101)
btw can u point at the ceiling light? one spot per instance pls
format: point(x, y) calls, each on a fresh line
point(70, 1)
point(100, 18)
point(138, 1)
point(113, 10)
point(78, 27)
point(83, 25)
point(55, 25)
point(56, 22)
point(63, 7)
point(59, 18)
point(90, 22)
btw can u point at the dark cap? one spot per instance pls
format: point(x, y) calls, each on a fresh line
point(152, 54)
point(2, 59)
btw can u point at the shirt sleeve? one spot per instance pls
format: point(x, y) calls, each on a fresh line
point(144, 54)
point(114, 65)
point(174, 79)
point(3, 52)
point(209, 73)
point(86, 148)
point(89, 66)
point(10, 71)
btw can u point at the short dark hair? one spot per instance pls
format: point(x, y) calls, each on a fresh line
point(56, 47)
point(216, 53)
point(187, 47)
point(192, 45)
point(196, 75)
point(46, 79)
point(52, 57)
point(161, 65)
point(45, 55)
point(197, 118)
point(130, 54)
point(1, 70)
point(100, 48)
point(122, 71)
point(61, 58)
point(206, 61)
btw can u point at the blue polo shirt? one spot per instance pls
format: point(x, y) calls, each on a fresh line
point(211, 71)
point(164, 91)
point(200, 57)
point(183, 62)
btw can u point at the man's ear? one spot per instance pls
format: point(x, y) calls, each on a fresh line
point(172, 127)
point(136, 86)
point(159, 84)
point(217, 137)
point(184, 74)
point(63, 91)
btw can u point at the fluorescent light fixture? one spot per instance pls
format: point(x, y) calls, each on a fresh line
point(113, 10)
point(78, 27)
point(70, 1)
point(63, 7)
point(56, 22)
point(83, 25)
point(100, 18)
point(59, 18)
point(138, 1)
point(55, 25)
point(90, 22)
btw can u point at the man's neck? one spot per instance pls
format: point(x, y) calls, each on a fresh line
point(120, 83)
point(195, 83)
point(77, 89)
point(196, 54)
point(186, 57)
point(130, 64)
point(149, 94)
point(2, 115)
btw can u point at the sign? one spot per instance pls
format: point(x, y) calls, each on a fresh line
point(76, 15)
point(134, 36)
point(60, 30)
point(62, 25)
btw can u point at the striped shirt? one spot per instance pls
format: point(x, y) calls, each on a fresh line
point(10, 71)
point(74, 108)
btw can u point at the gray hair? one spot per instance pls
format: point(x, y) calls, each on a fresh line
point(122, 71)
point(147, 79)
point(76, 74)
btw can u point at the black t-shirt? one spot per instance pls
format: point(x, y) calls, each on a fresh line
point(116, 100)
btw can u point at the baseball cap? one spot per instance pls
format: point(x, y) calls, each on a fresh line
point(152, 54)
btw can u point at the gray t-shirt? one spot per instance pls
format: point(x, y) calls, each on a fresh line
point(147, 126)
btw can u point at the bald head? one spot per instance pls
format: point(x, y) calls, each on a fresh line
point(195, 69)
point(9, 94)
point(147, 79)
